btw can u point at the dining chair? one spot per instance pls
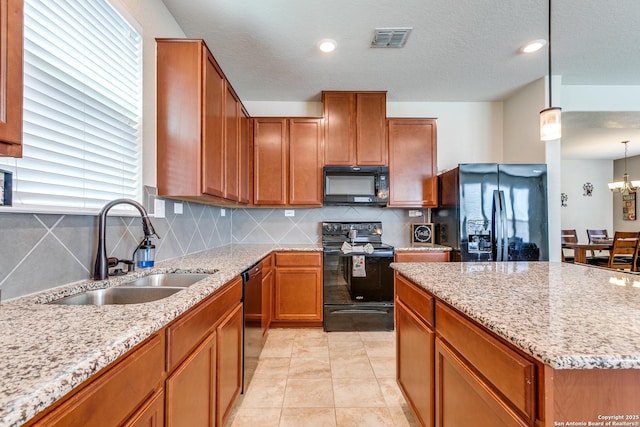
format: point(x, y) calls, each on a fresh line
point(568, 236)
point(594, 236)
point(624, 253)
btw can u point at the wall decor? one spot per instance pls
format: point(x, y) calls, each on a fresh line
point(588, 189)
point(563, 199)
point(422, 234)
point(629, 206)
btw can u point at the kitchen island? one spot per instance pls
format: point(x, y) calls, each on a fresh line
point(49, 350)
point(538, 344)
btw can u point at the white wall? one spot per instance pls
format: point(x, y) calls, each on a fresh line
point(587, 212)
point(154, 20)
point(600, 98)
point(522, 125)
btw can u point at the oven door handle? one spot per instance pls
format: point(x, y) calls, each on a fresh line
point(359, 311)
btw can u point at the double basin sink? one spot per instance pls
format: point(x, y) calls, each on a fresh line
point(145, 289)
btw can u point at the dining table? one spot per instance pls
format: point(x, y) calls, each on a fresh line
point(580, 249)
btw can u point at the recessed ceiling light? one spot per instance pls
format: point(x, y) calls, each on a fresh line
point(533, 46)
point(327, 45)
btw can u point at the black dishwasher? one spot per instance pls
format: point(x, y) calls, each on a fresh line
point(252, 309)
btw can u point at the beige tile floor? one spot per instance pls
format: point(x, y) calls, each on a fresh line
point(307, 377)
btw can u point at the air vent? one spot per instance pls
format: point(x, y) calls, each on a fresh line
point(390, 37)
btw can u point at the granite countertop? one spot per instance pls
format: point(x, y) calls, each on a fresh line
point(47, 350)
point(567, 316)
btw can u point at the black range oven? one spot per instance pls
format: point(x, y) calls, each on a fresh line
point(357, 280)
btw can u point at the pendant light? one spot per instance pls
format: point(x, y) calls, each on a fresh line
point(550, 117)
point(625, 186)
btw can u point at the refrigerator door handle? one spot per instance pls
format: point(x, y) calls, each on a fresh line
point(500, 226)
point(503, 226)
point(497, 225)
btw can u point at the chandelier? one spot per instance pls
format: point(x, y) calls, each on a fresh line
point(625, 186)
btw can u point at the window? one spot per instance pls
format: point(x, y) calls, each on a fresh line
point(82, 106)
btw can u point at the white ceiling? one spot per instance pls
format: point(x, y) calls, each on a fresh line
point(458, 51)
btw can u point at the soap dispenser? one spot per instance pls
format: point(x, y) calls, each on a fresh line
point(145, 253)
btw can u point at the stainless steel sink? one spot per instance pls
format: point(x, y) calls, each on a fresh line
point(174, 280)
point(118, 295)
point(145, 289)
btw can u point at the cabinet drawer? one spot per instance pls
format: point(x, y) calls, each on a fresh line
point(115, 395)
point(462, 398)
point(420, 302)
point(510, 374)
point(423, 256)
point(185, 333)
point(298, 259)
point(267, 262)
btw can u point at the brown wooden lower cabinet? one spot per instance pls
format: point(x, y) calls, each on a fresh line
point(229, 360)
point(298, 288)
point(454, 373)
point(191, 390)
point(415, 357)
point(481, 380)
point(463, 399)
point(199, 353)
point(268, 279)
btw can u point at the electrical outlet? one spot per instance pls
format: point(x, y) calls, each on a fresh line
point(223, 212)
point(158, 208)
point(177, 208)
point(289, 212)
point(414, 213)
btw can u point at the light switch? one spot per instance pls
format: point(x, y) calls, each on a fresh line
point(223, 212)
point(158, 208)
point(177, 208)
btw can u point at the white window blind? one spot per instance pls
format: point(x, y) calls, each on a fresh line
point(82, 106)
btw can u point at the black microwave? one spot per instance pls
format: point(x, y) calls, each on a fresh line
point(356, 185)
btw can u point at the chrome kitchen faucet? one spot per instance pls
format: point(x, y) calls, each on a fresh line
point(101, 267)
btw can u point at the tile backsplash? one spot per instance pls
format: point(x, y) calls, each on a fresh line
point(41, 251)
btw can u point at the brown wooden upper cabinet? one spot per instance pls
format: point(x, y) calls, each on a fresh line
point(11, 18)
point(287, 161)
point(412, 163)
point(202, 147)
point(355, 128)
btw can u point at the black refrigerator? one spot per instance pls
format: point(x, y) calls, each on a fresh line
point(493, 212)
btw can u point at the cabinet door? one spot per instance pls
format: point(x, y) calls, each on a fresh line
point(270, 166)
point(298, 293)
point(11, 18)
point(191, 389)
point(232, 146)
point(415, 363)
point(151, 414)
point(267, 294)
point(339, 128)
point(229, 368)
point(371, 141)
point(305, 162)
point(462, 399)
point(244, 157)
point(213, 142)
point(412, 163)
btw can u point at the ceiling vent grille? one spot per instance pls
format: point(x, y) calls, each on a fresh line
point(390, 37)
